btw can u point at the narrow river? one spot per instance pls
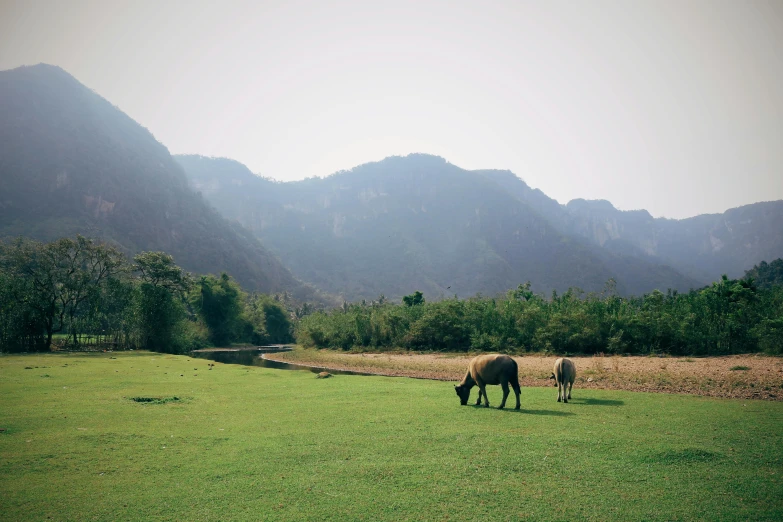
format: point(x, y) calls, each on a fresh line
point(255, 356)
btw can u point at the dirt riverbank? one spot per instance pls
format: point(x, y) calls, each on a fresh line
point(736, 376)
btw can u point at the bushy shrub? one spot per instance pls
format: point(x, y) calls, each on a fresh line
point(442, 326)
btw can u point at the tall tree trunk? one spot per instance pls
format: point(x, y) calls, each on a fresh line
point(49, 332)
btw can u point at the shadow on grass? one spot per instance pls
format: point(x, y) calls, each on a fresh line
point(553, 413)
point(597, 402)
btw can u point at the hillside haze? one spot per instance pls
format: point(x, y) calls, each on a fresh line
point(70, 163)
point(416, 222)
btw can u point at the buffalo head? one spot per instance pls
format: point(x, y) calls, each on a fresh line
point(463, 392)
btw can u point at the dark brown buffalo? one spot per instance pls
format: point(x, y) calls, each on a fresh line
point(489, 369)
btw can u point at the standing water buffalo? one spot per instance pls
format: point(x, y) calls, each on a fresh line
point(489, 369)
point(564, 374)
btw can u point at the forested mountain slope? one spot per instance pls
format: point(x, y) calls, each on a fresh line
point(70, 162)
point(414, 222)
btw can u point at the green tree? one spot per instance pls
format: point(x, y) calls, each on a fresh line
point(160, 310)
point(159, 270)
point(416, 298)
point(21, 326)
point(219, 302)
point(54, 281)
point(767, 275)
point(270, 321)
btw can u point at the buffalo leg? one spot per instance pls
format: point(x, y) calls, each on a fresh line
point(503, 385)
point(559, 391)
point(486, 399)
point(570, 387)
point(515, 386)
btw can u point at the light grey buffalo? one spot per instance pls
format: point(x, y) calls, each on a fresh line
point(489, 369)
point(564, 375)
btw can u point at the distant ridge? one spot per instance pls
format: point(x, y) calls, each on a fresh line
point(702, 247)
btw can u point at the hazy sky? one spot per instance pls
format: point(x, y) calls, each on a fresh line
point(672, 106)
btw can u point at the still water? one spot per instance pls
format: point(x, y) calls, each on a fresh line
point(255, 357)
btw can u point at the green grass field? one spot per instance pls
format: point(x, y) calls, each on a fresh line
point(248, 443)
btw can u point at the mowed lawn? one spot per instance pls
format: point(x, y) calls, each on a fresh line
point(248, 443)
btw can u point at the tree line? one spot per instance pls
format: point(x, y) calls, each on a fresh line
point(730, 316)
point(73, 292)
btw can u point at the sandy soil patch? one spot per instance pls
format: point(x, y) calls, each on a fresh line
point(736, 376)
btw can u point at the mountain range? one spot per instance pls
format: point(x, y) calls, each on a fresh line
point(418, 222)
point(70, 162)
point(421, 222)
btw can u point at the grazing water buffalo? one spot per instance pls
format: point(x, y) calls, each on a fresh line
point(489, 369)
point(564, 374)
